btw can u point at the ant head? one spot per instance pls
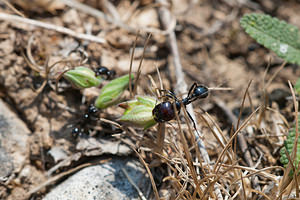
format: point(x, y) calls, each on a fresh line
point(104, 71)
point(200, 91)
point(78, 132)
point(92, 109)
point(195, 92)
point(110, 74)
point(101, 71)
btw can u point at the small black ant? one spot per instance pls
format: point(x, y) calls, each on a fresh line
point(91, 114)
point(92, 110)
point(164, 111)
point(104, 71)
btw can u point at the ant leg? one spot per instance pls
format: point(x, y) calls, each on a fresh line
point(192, 88)
point(169, 94)
point(188, 100)
point(194, 124)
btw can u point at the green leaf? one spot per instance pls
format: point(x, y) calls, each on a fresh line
point(112, 91)
point(274, 34)
point(297, 86)
point(138, 112)
point(82, 77)
point(288, 146)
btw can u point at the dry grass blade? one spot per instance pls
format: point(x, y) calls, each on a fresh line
point(285, 181)
point(147, 168)
point(261, 193)
point(243, 186)
point(59, 176)
point(130, 66)
point(274, 75)
point(134, 185)
point(60, 29)
point(187, 154)
point(231, 139)
point(13, 8)
point(242, 105)
point(160, 137)
point(140, 65)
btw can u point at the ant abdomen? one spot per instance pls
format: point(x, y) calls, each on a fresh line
point(164, 111)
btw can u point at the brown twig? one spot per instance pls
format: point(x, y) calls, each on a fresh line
point(140, 66)
point(60, 29)
point(13, 8)
point(133, 184)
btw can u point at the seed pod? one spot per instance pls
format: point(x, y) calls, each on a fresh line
point(138, 112)
point(111, 92)
point(82, 77)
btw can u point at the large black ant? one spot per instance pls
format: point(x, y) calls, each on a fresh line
point(164, 111)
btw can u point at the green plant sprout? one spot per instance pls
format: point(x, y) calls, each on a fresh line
point(284, 40)
point(82, 77)
point(138, 112)
point(112, 91)
point(297, 87)
point(274, 34)
point(288, 146)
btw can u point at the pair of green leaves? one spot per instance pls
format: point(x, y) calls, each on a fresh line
point(138, 112)
point(84, 77)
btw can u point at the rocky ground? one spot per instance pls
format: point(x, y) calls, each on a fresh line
point(40, 159)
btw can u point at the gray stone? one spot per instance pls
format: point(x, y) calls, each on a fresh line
point(6, 166)
point(14, 142)
point(104, 181)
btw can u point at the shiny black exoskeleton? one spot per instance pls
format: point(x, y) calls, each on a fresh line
point(81, 130)
point(104, 71)
point(164, 111)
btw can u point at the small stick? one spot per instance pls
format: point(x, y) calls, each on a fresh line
point(133, 184)
point(140, 65)
point(55, 178)
point(12, 8)
point(60, 29)
point(130, 66)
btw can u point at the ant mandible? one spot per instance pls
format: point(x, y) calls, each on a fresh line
point(164, 111)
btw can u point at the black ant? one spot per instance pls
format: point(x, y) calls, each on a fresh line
point(104, 71)
point(164, 111)
point(91, 114)
point(92, 110)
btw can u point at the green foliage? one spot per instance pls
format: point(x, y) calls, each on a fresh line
point(112, 91)
point(138, 112)
point(288, 146)
point(297, 86)
point(82, 77)
point(274, 34)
